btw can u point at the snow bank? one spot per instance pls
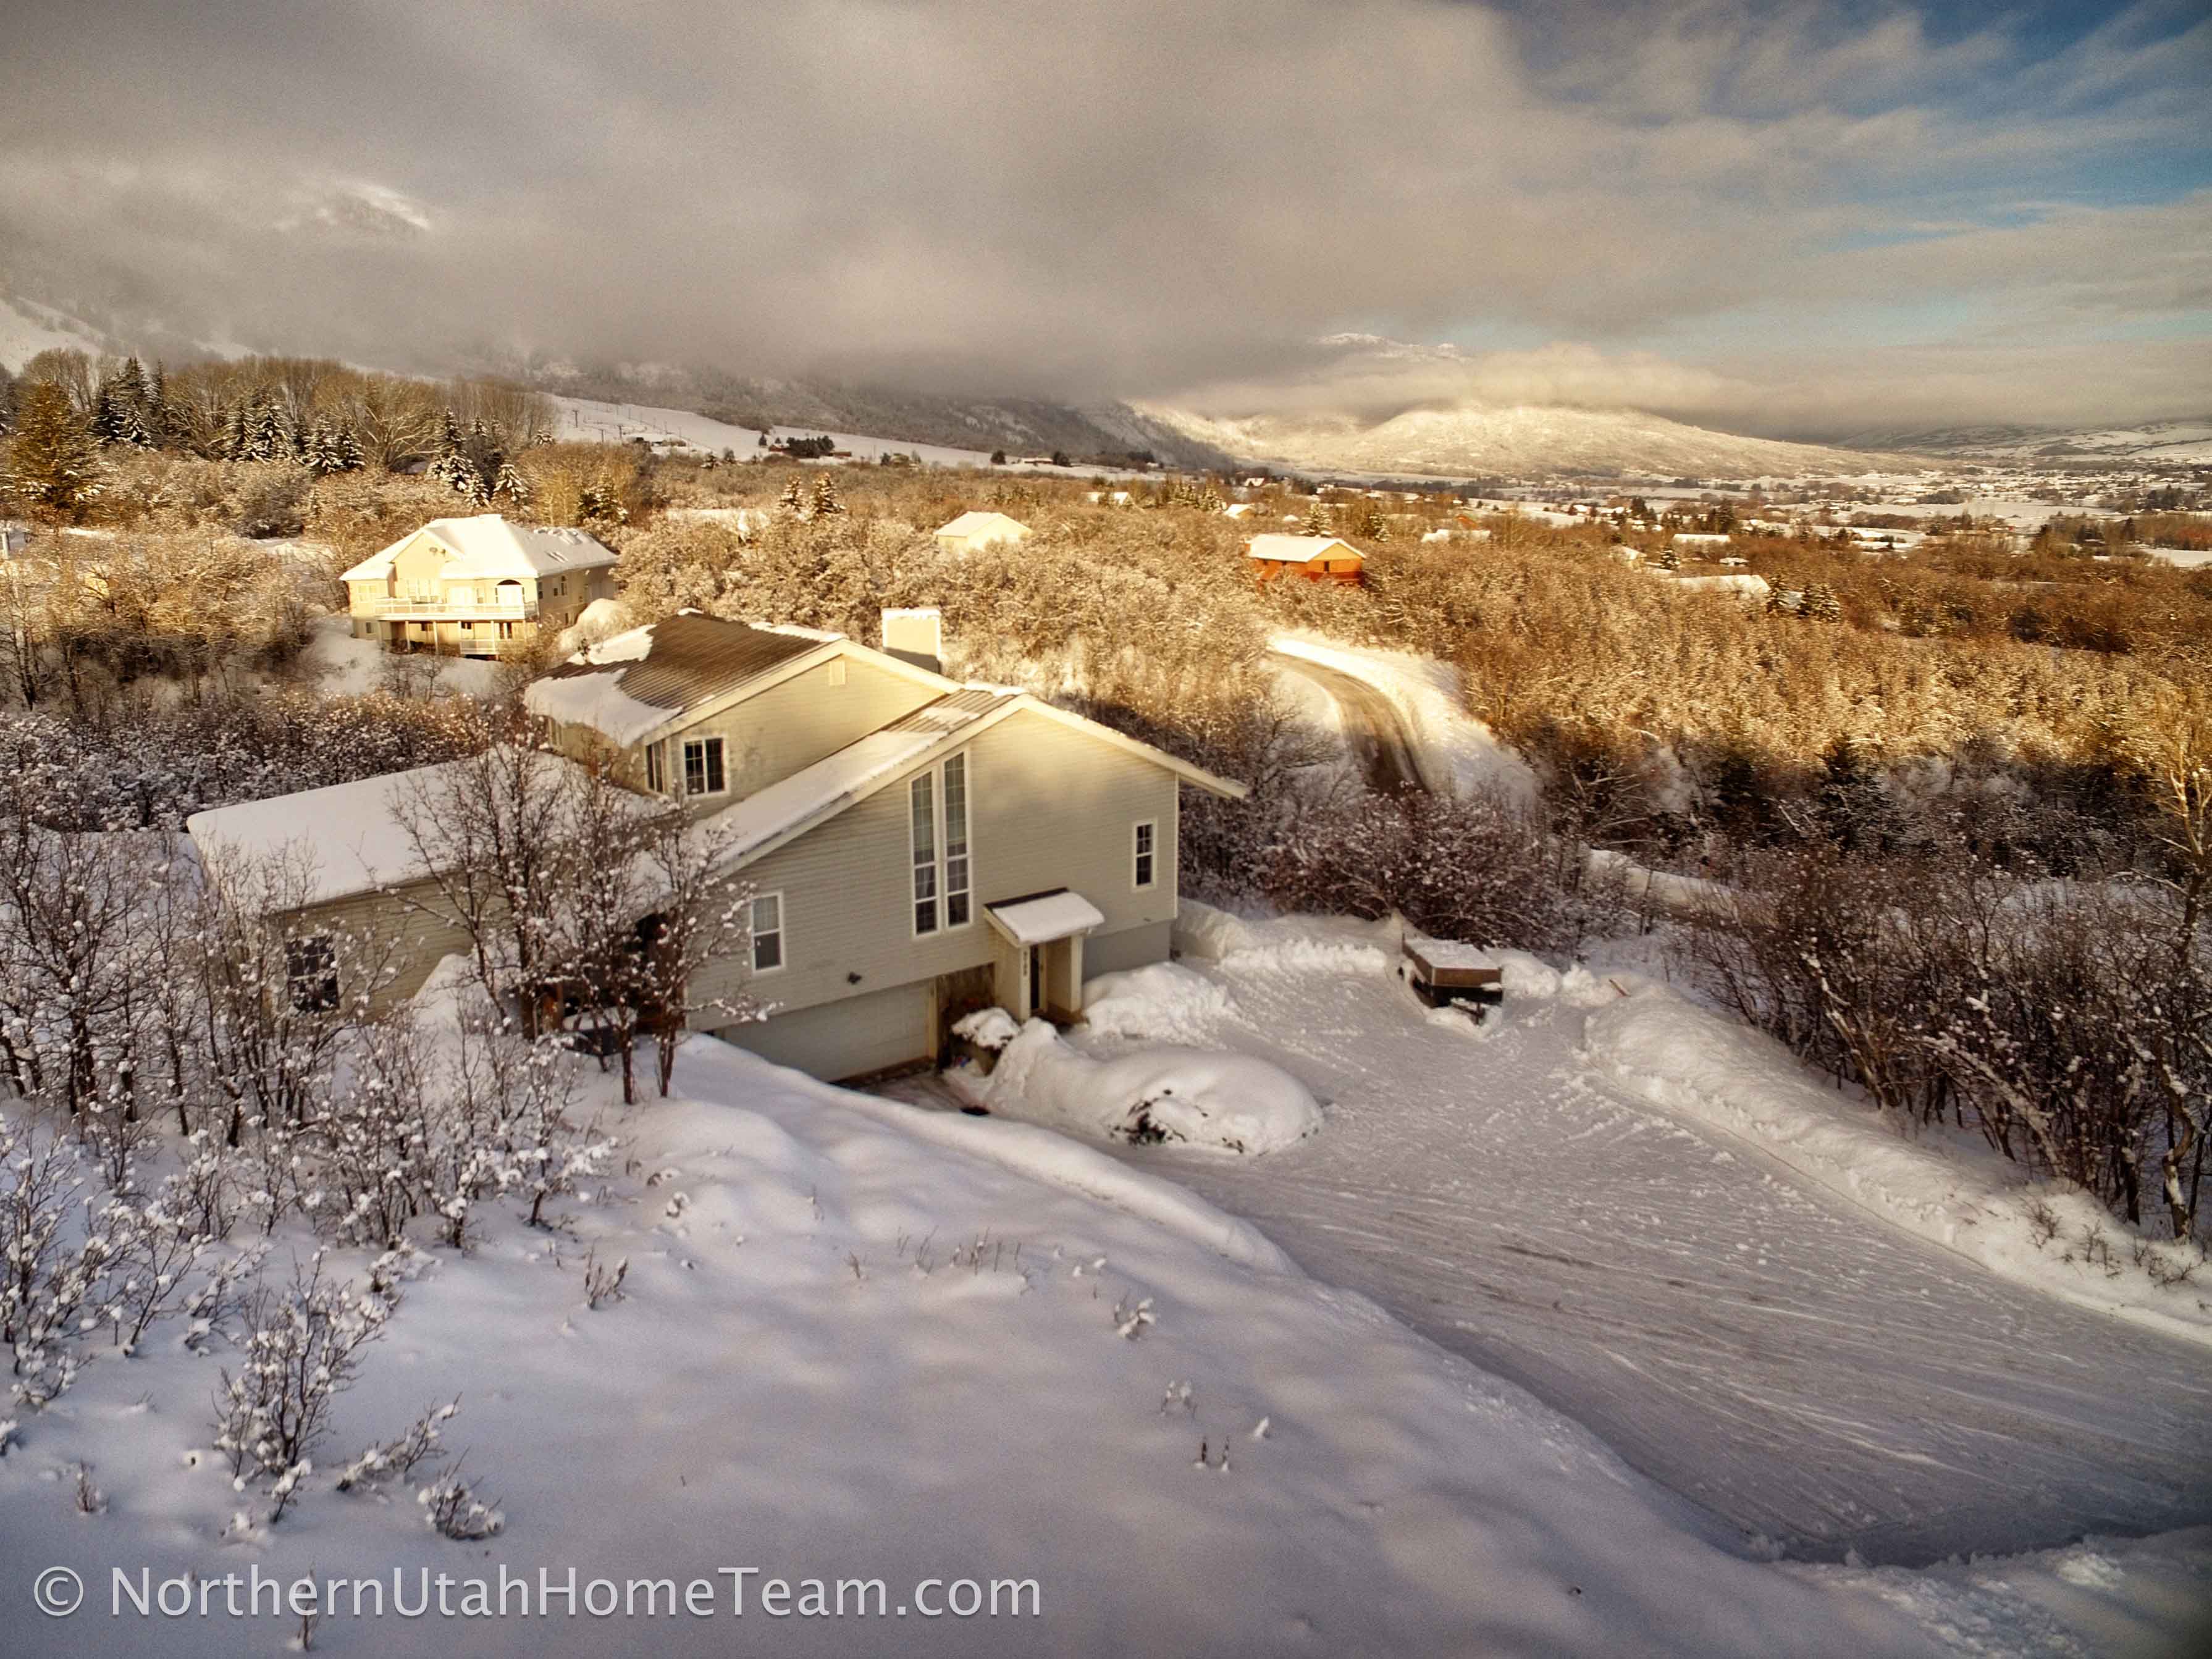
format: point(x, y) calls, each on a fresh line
point(1953, 1194)
point(1457, 751)
point(596, 623)
point(1161, 1000)
point(1231, 1102)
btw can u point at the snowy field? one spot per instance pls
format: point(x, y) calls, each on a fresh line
point(1822, 1379)
point(585, 420)
point(857, 1341)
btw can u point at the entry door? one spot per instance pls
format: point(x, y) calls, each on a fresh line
point(1036, 980)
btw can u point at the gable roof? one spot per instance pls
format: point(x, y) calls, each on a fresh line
point(972, 524)
point(1296, 549)
point(788, 808)
point(485, 546)
point(353, 835)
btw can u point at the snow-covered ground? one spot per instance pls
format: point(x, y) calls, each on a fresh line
point(2189, 558)
point(1784, 1353)
point(857, 1341)
point(347, 667)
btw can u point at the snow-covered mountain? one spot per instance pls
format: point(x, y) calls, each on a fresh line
point(2183, 441)
point(27, 328)
point(1519, 440)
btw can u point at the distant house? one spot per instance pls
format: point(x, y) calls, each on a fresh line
point(477, 586)
point(1697, 538)
point(1236, 509)
point(971, 533)
point(1314, 558)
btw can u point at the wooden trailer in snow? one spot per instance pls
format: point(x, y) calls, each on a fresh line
point(1443, 972)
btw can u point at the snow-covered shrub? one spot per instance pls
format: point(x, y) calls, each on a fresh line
point(301, 1347)
point(451, 1510)
point(1483, 868)
point(398, 1459)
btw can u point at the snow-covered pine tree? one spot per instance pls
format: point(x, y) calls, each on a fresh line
point(348, 447)
point(1316, 521)
point(791, 500)
point(825, 502)
point(1666, 558)
point(511, 487)
point(267, 436)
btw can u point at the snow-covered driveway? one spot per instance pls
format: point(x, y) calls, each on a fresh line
point(1797, 1366)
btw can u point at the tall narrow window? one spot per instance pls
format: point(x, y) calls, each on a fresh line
point(956, 841)
point(656, 769)
point(923, 795)
point(1147, 853)
point(702, 766)
point(768, 932)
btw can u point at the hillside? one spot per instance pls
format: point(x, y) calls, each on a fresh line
point(2186, 442)
point(1518, 440)
point(1090, 432)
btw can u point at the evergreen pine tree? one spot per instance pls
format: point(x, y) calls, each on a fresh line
point(790, 500)
point(511, 487)
point(53, 466)
point(1667, 558)
point(1316, 521)
point(1821, 604)
point(350, 459)
point(825, 497)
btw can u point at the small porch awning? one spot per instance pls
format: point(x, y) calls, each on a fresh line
point(1043, 917)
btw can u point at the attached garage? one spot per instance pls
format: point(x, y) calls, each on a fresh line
point(850, 1037)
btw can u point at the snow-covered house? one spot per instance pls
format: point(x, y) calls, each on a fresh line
point(477, 586)
point(919, 848)
point(973, 531)
point(1315, 558)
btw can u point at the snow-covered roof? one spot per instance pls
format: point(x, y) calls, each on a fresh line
point(1296, 549)
point(353, 836)
point(985, 527)
point(1045, 917)
point(629, 684)
point(837, 780)
point(486, 547)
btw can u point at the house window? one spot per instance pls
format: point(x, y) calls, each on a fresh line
point(1148, 834)
point(311, 974)
point(656, 769)
point(768, 932)
point(943, 880)
point(956, 841)
point(922, 816)
point(507, 630)
point(702, 766)
point(468, 627)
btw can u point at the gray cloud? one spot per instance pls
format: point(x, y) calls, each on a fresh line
point(1141, 199)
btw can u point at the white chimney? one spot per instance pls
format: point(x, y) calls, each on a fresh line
point(917, 636)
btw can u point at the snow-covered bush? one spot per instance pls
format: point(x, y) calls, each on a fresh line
point(398, 1459)
point(301, 1347)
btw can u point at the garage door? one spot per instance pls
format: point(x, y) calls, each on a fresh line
point(850, 1038)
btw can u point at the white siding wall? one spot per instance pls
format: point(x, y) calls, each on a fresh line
point(1051, 807)
point(400, 936)
point(871, 1033)
point(792, 725)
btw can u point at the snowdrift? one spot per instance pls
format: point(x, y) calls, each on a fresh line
point(1948, 1190)
point(1193, 1097)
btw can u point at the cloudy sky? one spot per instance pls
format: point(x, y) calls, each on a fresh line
point(1798, 218)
